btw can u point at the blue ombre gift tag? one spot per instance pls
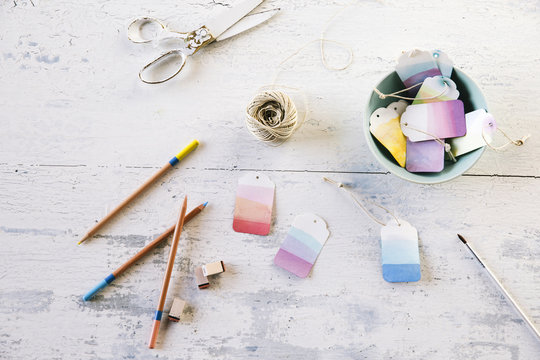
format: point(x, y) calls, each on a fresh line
point(399, 249)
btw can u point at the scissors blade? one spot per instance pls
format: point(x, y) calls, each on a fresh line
point(230, 16)
point(247, 23)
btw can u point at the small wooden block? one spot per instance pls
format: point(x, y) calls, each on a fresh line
point(177, 308)
point(213, 268)
point(202, 281)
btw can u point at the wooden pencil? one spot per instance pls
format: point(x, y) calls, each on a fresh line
point(167, 277)
point(175, 160)
point(145, 250)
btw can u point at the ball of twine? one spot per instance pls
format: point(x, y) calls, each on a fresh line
point(271, 116)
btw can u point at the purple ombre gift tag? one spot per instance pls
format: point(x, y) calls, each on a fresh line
point(445, 119)
point(414, 67)
point(425, 156)
point(302, 245)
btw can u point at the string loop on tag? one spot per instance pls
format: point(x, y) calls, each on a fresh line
point(396, 95)
point(447, 147)
point(360, 205)
point(518, 142)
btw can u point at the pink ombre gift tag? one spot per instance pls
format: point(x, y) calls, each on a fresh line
point(302, 245)
point(415, 66)
point(425, 156)
point(481, 127)
point(254, 204)
point(445, 119)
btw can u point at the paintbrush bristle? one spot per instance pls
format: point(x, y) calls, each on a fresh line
point(462, 238)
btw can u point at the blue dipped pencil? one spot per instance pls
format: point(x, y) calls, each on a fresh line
point(182, 154)
point(145, 250)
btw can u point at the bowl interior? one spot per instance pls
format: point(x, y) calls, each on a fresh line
point(472, 99)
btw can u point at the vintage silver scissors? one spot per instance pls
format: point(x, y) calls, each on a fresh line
point(228, 23)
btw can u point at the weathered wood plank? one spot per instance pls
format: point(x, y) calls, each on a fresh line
point(79, 132)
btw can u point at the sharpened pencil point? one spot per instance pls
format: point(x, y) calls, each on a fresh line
point(206, 203)
point(462, 238)
point(84, 238)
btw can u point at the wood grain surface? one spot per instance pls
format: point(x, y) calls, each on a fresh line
point(79, 132)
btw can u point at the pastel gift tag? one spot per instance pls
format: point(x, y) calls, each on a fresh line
point(446, 66)
point(302, 245)
point(444, 119)
point(478, 122)
point(398, 106)
point(399, 249)
point(384, 125)
point(415, 66)
point(425, 156)
point(254, 204)
point(435, 89)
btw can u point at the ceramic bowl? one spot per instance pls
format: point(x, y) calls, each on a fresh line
point(472, 98)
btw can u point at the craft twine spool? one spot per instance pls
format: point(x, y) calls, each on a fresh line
point(271, 116)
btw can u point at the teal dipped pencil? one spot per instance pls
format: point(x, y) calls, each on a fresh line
point(145, 250)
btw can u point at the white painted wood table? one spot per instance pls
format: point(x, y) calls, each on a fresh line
point(79, 132)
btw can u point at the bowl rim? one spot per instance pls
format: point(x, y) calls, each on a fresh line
point(415, 177)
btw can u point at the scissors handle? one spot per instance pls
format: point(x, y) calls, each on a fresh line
point(169, 64)
point(147, 29)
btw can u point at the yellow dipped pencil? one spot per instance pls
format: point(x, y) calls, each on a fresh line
point(175, 160)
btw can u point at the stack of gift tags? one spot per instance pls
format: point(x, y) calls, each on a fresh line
point(434, 126)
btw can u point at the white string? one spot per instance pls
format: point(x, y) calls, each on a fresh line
point(360, 205)
point(272, 116)
point(518, 142)
point(383, 96)
point(447, 147)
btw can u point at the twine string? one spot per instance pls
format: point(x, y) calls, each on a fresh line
point(396, 95)
point(360, 205)
point(447, 147)
point(518, 142)
point(272, 116)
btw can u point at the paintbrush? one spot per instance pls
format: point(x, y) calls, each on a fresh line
point(510, 298)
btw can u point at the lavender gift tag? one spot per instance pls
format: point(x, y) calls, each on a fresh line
point(425, 156)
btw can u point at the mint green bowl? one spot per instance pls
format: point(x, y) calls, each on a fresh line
point(472, 98)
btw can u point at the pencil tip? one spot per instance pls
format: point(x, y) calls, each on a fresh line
point(462, 238)
point(206, 203)
point(84, 238)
